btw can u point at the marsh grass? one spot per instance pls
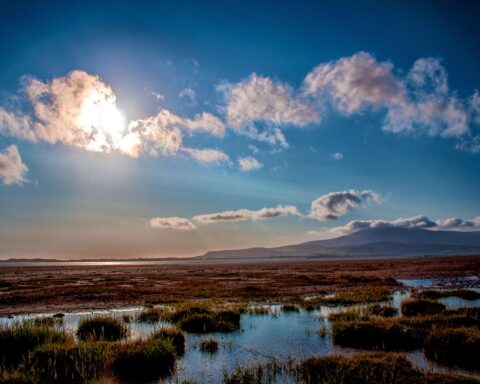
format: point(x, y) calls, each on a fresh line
point(208, 346)
point(381, 310)
point(47, 321)
point(174, 336)
point(461, 328)
point(466, 294)
point(153, 314)
point(102, 328)
point(360, 295)
point(454, 346)
point(417, 307)
point(376, 335)
point(290, 308)
point(365, 368)
point(142, 361)
point(258, 310)
point(17, 342)
point(71, 362)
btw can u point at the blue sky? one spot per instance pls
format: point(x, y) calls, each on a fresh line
point(148, 129)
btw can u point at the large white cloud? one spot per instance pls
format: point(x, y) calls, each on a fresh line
point(246, 214)
point(80, 110)
point(353, 83)
point(12, 169)
point(335, 204)
point(429, 106)
point(172, 223)
point(259, 99)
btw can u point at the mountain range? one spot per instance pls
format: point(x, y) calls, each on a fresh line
point(372, 242)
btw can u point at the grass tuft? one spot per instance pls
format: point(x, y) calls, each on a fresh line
point(417, 307)
point(102, 329)
point(209, 346)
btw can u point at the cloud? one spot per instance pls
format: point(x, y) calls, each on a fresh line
point(246, 214)
point(172, 223)
point(456, 222)
point(163, 133)
point(249, 163)
point(12, 169)
point(429, 106)
point(259, 99)
point(335, 204)
point(188, 93)
point(354, 83)
point(156, 95)
point(81, 110)
point(418, 222)
point(336, 156)
point(208, 156)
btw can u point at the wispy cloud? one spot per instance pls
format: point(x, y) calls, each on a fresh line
point(336, 156)
point(188, 93)
point(246, 214)
point(174, 222)
point(208, 156)
point(12, 169)
point(249, 163)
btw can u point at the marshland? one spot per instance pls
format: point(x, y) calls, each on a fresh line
point(369, 321)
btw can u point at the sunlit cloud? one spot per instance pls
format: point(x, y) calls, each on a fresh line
point(81, 110)
point(335, 204)
point(249, 163)
point(12, 169)
point(246, 214)
point(179, 223)
point(259, 99)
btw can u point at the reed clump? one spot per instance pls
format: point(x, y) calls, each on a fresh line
point(102, 329)
point(71, 362)
point(153, 315)
point(174, 336)
point(418, 307)
point(142, 361)
point(466, 294)
point(209, 346)
point(290, 308)
point(361, 295)
point(454, 346)
point(17, 342)
point(381, 310)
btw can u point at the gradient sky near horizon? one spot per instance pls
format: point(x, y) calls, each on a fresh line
point(156, 129)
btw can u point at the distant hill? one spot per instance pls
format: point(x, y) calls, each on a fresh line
point(373, 242)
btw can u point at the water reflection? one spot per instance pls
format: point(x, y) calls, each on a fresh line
point(278, 335)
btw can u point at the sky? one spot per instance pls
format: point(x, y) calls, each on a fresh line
point(168, 129)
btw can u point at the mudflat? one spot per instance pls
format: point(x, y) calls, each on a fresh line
point(31, 289)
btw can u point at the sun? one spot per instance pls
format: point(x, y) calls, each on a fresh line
point(100, 119)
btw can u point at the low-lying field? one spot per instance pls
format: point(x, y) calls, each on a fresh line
point(371, 321)
point(39, 289)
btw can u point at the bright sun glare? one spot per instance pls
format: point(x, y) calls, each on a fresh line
point(100, 117)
